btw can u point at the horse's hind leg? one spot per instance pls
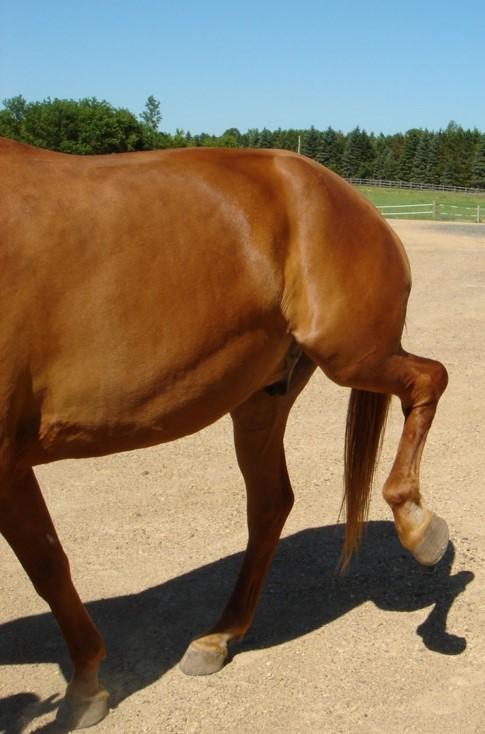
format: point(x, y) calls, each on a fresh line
point(419, 383)
point(259, 427)
point(28, 528)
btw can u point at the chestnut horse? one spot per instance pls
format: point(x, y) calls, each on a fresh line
point(144, 295)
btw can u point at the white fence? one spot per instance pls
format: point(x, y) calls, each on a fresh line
point(412, 185)
point(434, 210)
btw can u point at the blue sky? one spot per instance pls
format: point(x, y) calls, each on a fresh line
point(385, 66)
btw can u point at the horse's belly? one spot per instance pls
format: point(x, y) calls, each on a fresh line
point(122, 415)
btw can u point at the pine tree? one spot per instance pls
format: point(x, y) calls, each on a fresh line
point(478, 166)
point(420, 163)
point(380, 170)
point(330, 149)
point(358, 156)
point(390, 169)
point(434, 167)
point(457, 153)
point(350, 157)
point(408, 154)
point(285, 139)
point(310, 141)
point(366, 154)
point(387, 155)
point(265, 139)
point(448, 175)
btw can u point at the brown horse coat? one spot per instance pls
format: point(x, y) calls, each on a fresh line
point(145, 295)
point(135, 286)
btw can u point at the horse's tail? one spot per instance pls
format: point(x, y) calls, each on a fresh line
point(366, 420)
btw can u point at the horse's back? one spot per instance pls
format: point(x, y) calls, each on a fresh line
point(140, 289)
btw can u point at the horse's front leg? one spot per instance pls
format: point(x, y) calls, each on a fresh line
point(259, 426)
point(28, 528)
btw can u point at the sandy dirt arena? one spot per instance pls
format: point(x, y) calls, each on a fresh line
point(155, 539)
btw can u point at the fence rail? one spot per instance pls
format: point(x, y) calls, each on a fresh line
point(413, 185)
point(434, 210)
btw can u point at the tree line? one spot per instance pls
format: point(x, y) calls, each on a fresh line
point(453, 156)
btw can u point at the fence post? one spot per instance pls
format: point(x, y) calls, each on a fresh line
point(478, 213)
point(434, 209)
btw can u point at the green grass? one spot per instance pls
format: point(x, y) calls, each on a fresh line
point(445, 199)
point(380, 196)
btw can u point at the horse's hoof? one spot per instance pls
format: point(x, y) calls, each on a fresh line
point(202, 660)
point(432, 546)
point(76, 712)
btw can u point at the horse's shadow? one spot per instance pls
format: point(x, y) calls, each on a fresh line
point(146, 633)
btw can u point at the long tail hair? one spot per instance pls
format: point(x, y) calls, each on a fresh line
point(366, 421)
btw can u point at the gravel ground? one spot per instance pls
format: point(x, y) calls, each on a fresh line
point(155, 539)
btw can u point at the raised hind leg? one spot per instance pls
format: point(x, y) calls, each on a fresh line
point(28, 528)
point(419, 383)
point(259, 427)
